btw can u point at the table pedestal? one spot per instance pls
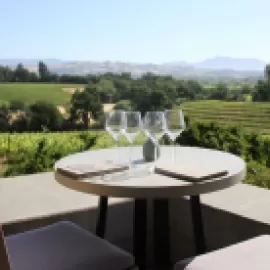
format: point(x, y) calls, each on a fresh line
point(161, 224)
point(161, 229)
point(102, 216)
point(198, 224)
point(140, 233)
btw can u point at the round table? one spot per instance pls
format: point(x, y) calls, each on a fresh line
point(157, 187)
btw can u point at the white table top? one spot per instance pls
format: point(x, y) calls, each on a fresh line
point(154, 185)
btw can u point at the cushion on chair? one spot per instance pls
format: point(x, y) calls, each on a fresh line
point(64, 246)
point(252, 254)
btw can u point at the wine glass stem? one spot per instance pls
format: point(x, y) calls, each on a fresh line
point(155, 155)
point(130, 156)
point(174, 151)
point(117, 150)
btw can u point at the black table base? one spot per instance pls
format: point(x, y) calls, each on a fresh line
point(102, 216)
point(161, 233)
point(198, 224)
point(161, 229)
point(140, 233)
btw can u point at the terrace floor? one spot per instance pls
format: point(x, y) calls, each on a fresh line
point(230, 216)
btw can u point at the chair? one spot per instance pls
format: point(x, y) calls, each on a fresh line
point(61, 246)
point(252, 254)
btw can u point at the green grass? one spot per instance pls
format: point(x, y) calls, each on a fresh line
point(249, 115)
point(31, 92)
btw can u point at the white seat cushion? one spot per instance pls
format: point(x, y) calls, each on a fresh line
point(252, 254)
point(64, 246)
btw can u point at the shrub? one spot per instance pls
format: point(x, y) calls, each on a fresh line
point(125, 105)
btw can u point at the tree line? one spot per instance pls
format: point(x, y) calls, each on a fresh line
point(149, 92)
point(43, 74)
point(113, 84)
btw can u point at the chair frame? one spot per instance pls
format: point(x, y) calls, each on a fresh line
point(4, 260)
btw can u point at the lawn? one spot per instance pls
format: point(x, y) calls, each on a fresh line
point(58, 94)
point(251, 115)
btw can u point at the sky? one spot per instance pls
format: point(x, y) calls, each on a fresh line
point(139, 31)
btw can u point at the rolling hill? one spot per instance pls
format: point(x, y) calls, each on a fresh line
point(218, 67)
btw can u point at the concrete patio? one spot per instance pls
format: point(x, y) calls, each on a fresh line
point(230, 216)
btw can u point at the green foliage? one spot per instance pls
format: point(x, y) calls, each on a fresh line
point(221, 92)
point(258, 174)
point(86, 104)
point(125, 105)
point(42, 155)
point(16, 105)
point(107, 90)
point(44, 115)
point(37, 152)
point(145, 99)
point(250, 146)
point(211, 135)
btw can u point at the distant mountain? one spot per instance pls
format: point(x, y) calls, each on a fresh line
point(28, 62)
point(176, 69)
point(239, 64)
point(218, 67)
point(178, 63)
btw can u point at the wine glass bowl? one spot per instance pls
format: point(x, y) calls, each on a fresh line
point(131, 128)
point(174, 125)
point(154, 125)
point(114, 125)
point(132, 125)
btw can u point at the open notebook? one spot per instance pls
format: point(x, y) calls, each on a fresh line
point(190, 173)
point(79, 171)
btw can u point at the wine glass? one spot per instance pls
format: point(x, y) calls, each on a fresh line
point(131, 128)
point(114, 125)
point(174, 125)
point(154, 127)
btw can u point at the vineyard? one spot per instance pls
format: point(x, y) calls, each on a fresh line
point(19, 151)
point(70, 141)
point(28, 153)
point(250, 115)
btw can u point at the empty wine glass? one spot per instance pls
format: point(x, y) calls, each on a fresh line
point(131, 128)
point(114, 125)
point(175, 125)
point(154, 127)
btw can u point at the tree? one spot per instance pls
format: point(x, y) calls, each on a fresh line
point(221, 92)
point(4, 118)
point(6, 74)
point(246, 89)
point(261, 92)
point(262, 88)
point(44, 115)
point(33, 77)
point(107, 90)
point(267, 73)
point(124, 105)
point(86, 105)
point(194, 89)
point(43, 71)
point(145, 99)
point(21, 74)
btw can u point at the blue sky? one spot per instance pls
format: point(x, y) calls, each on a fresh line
point(134, 30)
